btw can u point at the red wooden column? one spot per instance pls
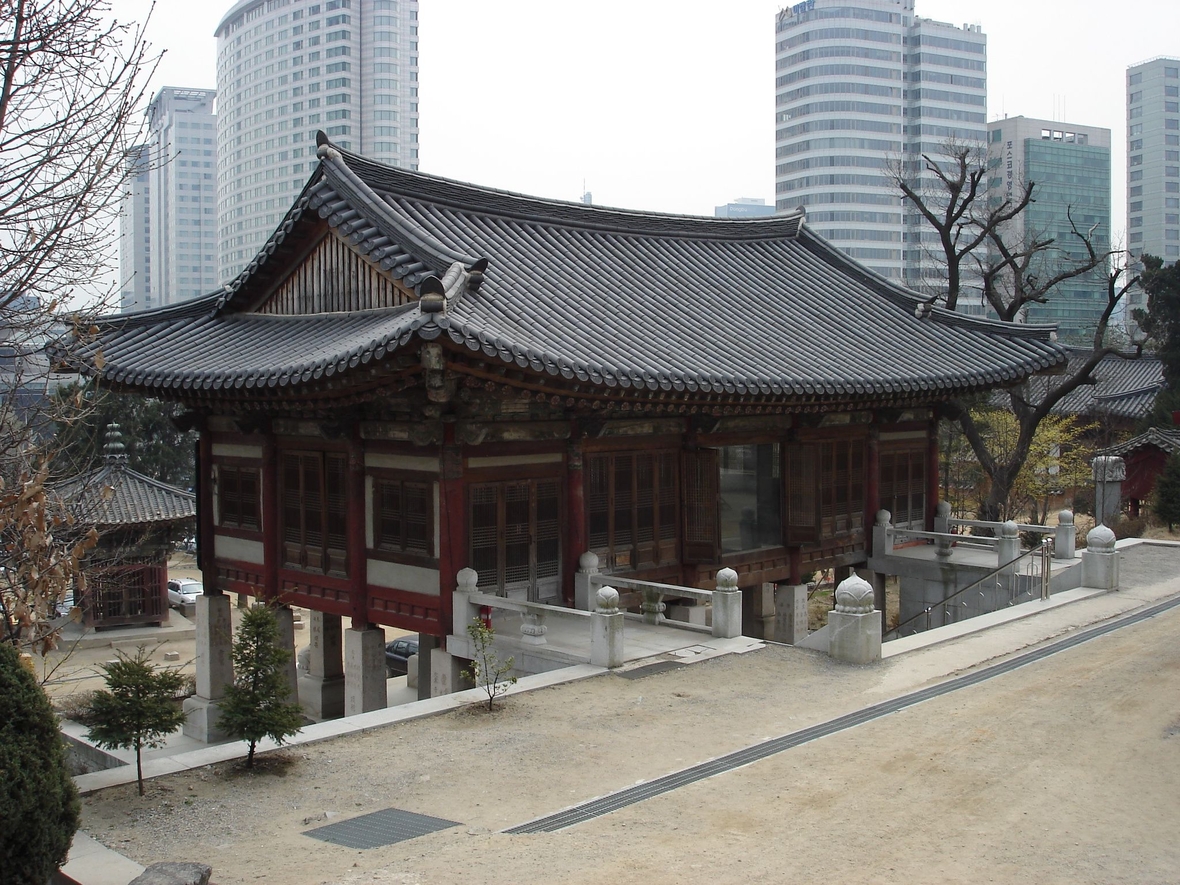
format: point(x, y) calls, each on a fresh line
point(453, 524)
point(931, 474)
point(208, 559)
point(872, 484)
point(358, 573)
point(270, 518)
point(576, 541)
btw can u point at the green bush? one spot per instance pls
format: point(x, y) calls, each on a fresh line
point(1129, 527)
point(40, 804)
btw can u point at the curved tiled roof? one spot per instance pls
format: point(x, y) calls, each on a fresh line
point(611, 297)
point(115, 495)
point(1125, 387)
point(1164, 438)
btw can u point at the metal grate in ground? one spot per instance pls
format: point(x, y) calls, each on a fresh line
point(380, 828)
point(606, 804)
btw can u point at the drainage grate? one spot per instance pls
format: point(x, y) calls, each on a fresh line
point(606, 804)
point(380, 828)
point(650, 669)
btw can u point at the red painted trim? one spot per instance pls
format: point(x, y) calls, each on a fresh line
point(932, 484)
point(205, 530)
point(270, 518)
point(872, 487)
point(452, 554)
point(577, 541)
point(357, 560)
point(403, 609)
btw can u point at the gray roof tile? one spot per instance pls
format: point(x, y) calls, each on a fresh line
point(617, 298)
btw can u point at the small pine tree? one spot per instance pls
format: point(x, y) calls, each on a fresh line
point(487, 670)
point(38, 802)
point(256, 705)
point(137, 708)
point(1166, 502)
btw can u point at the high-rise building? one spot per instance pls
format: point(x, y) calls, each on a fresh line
point(743, 207)
point(135, 233)
point(1153, 158)
point(168, 240)
point(287, 68)
point(1070, 165)
point(865, 88)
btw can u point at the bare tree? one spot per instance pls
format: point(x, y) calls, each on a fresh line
point(1015, 272)
point(72, 80)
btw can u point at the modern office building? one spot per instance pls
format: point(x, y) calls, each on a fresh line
point(287, 68)
point(744, 207)
point(168, 239)
point(863, 88)
point(1070, 165)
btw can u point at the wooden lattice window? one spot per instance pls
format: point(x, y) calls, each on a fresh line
point(841, 486)
point(802, 493)
point(702, 526)
point(515, 537)
point(315, 511)
point(403, 517)
point(238, 497)
point(632, 509)
point(903, 486)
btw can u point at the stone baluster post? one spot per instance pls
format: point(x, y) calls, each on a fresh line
point(532, 628)
point(942, 524)
point(652, 606)
point(606, 629)
point(1007, 546)
point(854, 627)
point(464, 610)
point(1065, 536)
point(583, 591)
point(882, 537)
point(1100, 559)
point(727, 605)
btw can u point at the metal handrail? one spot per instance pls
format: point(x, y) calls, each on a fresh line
point(1044, 550)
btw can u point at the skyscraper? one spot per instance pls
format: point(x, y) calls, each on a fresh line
point(1070, 165)
point(168, 238)
point(286, 68)
point(864, 88)
point(743, 207)
point(1153, 158)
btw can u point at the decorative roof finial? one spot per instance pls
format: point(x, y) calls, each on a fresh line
point(114, 452)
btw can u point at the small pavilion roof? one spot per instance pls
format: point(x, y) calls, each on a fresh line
point(1166, 439)
point(609, 297)
point(115, 496)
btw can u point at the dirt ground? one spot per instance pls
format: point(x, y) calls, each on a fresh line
point(1067, 770)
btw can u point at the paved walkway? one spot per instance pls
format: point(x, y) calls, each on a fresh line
point(1148, 573)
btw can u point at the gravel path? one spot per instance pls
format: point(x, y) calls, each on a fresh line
point(1064, 771)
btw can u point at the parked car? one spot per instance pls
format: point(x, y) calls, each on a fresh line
point(397, 653)
point(184, 592)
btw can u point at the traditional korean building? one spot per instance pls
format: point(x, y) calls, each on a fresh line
point(417, 375)
point(137, 519)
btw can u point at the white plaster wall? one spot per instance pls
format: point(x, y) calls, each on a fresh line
point(241, 549)
point(399, 576)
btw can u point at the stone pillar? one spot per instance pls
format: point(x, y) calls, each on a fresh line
point(1007, 545)
point(364, 670)
point(286, 621)
point(1109, 474)
point(878, 581)
point(727, 605)
point(426, 646)
point(606, 629)
point(1065, 537)
point(854, 629)
point(790, 613)
point(882, 539)
point(1100, 560)
point(321, 688)
point(942, 517)
point(583, 592)
point(445, 673)
point(215, 668)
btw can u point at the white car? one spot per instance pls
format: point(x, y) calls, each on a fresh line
point(184, 592)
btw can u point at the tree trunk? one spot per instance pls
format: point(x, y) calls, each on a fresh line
point(250, 755)
point(139, 765)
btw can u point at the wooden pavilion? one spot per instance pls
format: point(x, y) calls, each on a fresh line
point(417, 375)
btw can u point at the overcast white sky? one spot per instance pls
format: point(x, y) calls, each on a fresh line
point(670, 106)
